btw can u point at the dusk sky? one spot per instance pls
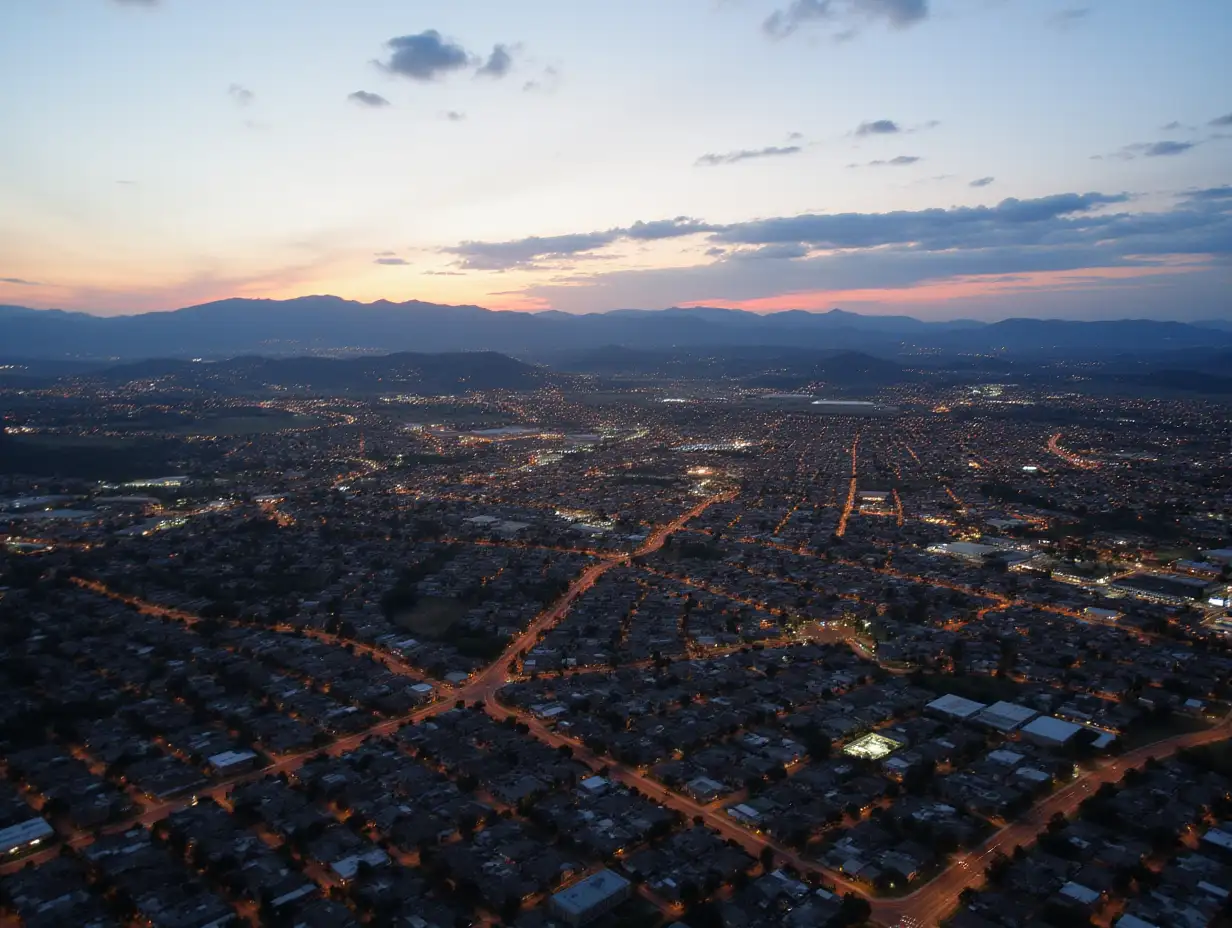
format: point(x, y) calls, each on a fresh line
point(940, 158)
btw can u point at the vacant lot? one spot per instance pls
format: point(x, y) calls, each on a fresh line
point(431, 617)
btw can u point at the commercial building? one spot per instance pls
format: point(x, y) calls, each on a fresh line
point(872, 747)
point(1050, 731)
point(28, 834)
point(954, 707)
point(1165, 589)
point(1005, 716)
point(590, 898)
point(232, 762)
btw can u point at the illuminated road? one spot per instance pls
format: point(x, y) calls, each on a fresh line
point(851, 490)
point(485, 683)
point(934, 901)
point(1054, 447)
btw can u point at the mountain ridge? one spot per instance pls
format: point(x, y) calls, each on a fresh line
point(326, 323)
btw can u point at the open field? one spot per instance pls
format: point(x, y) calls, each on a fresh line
point(431, 617)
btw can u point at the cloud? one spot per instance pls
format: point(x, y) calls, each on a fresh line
point(365, 98)
point(878, 127)
point(981, 182)
point(1163, 149)
point(1067, 18)
point(1221, 121)
point(500, 256)
point(241, 95)
point(498, 64)
point(1064, 233)
point(665, 228)
point(1070, 220)
point(547, 83)
point(844, 15)
point(425, 56)
point(146, 3)
point(392, 262)
point(19, 282)
point(784, 251)
point(453, 115)
point(1011, 221)
point(732, 157)
point(895, 162)
point(1208, 194)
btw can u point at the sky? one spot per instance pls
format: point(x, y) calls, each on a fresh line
point(939, 158)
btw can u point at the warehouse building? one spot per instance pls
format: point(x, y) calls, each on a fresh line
point(587, 899)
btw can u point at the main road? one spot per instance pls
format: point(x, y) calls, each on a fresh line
point(484, 684)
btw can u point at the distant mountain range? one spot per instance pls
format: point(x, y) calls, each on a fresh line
point(323, 324)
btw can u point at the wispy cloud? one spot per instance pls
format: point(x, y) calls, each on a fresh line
point(1069, 17)
point(547, 82)
point(900, 161)
point(453, 115)
point(878, 127)
point(845, 16)
point(19, 282)
point(1163, 149)
point(392, 262)
point(981, 182)
point(747, 154)
point(240, 95)
point(364, 98)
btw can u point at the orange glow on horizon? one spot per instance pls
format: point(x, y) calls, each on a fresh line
point(953, 288)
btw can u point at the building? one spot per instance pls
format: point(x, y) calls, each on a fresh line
point(232, 762)
point(704, 789)
point(954, 707)
point(590, 898)
point(1050, 731)
point(1177, 591)
point(421, 692)
point(872, 747)
point(28, 834)
point(1005, 716)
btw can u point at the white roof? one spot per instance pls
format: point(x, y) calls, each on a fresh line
point(15, 836)
point(1081, 893)
point(349, 866)
point(585, 895)
point(1007, 758)
point(230, 758)
point(1047, 728)
point(956, 706)
point(1006, 716)
point(1218, 838)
